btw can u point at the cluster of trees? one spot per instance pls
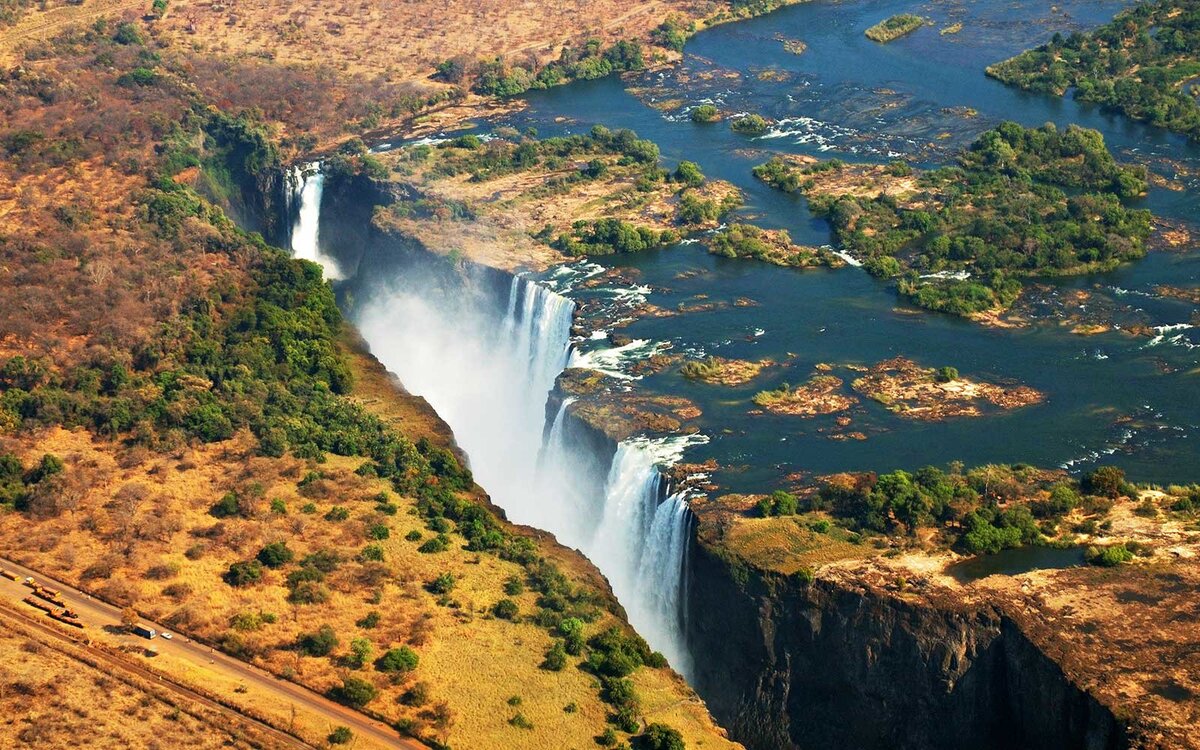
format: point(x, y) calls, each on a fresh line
point(496, 77)
point(1021, 202)
point(18, 485)
point(983, 510)
point(1143, 63)
point(483, 160)
point(609, 236)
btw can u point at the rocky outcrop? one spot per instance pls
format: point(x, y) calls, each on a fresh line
point(788, 662)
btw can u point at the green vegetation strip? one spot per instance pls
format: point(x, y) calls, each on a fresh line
point(1144, 63)
point(1021, 202)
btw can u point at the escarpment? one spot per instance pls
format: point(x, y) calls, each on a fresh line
point(839, 661)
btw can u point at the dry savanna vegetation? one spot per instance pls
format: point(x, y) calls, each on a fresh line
point(187, 429)
point(50, 698)
point(521, 202)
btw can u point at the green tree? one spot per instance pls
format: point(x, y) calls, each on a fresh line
point(397, 660)
point(659, 737)
point(355, 692)
point(244, 573)
point(275, 555)
point(318, 643)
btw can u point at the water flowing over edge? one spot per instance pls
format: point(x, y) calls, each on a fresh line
point(490, 380)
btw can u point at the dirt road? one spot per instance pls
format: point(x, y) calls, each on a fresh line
point(103, 621)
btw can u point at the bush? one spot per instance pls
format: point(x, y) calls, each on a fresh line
point(689, 174)
point(705, 113)
point(340, 736)
point(275, 555)
point(371, 553)
point(355, 692)
point(659, 737)
point(1108, 557)
point(370, 620)
point(379, 531)
point(946, 375)
point(244, 573)
point(1106, 481)
point(437, 544)
point(513, 586)
point(556, 658)
point(397, 660)
point(443, 584)
point(506, 609)
point(750, 125)
point(319, 643)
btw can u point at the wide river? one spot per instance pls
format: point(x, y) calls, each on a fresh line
point(1111, 398)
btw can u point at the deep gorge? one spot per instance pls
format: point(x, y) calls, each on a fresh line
point(781, 662)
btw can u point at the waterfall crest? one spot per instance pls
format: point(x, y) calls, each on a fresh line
point(305, 203)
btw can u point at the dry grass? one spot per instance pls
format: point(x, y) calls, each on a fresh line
point(144, 512)
point(49, 699)
point(510, 208)
point(404, 40)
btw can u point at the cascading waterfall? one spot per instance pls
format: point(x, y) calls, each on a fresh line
point(305, 203)
point(490, 380)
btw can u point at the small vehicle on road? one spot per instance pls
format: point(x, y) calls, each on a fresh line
point(165, 635)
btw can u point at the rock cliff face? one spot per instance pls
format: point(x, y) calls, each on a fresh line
point(832, 663)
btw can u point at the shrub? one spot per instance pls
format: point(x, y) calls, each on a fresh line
point(355, 692)
point(705, 113)
point(337, 514)
point(443, 584)
point(417, 695)
point(278, 507)
point(513, 586)
point(275, 555)
point(397, 660)
point(750, 125)
point(1106, 481)
point(319, 643)
point(370, 620)
point(340, 736)
point(1108, 557)
point(360, 652)
point(505, 609)
point(556, 658)
point(946, 375)
point(244, 573)
point(379, 531)
point(659, 737)
point(371, 553)
point(413, 536)
point(689, 174)
point(226, 507)
point(437, 544)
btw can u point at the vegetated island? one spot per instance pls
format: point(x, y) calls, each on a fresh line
point(722, 371)
point(518, 201)
point(1021, 202)
point(893, 28)
point(773, 246)
point(1144, 63)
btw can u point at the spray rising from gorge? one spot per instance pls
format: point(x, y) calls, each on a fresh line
point(485, 350)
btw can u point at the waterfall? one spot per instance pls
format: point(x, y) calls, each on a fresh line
point(489, 377)
point(305, 203)
point(641, 542)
